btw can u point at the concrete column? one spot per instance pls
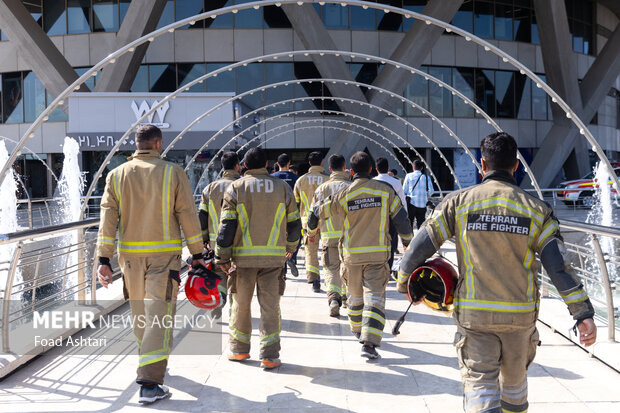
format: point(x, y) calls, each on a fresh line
point(141, 18)
point(561, 139)
point(36, 48)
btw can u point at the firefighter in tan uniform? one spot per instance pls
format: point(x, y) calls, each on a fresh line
point(211, 206)
point(149, 200)
point(367, 207)
point(259, 229)
point(304, 191)
point(499, 228)
point(330, 229)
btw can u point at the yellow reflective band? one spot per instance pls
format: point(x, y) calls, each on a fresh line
point(499, 201)
point(353, 313)
point(197, 238)
point(150, 246)
point(152, 359)
point(293, 216)
point(312, 268)
point(228, 215)
point(117, 191)
point(442, 227)
point(245, 225)
point(370, 314)
point(394, 205)
point(105, 240)
point(258, 250)
point(407, 237)
point(511, 411)
point(165, 201)
point(306, 205)
point(548, 229)
point(277, 222)
point(363, 250)
point(213, 217)
point(371, 330)
point(334, 288)
point(469, 278)
point(496, 306)
point(402, 277)
point(270, 339)
point(363, 191)
point(574, 297)
point(203, 207)
point(239, 336)
point(331, 235)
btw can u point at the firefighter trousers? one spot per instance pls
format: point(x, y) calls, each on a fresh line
point(312, 258)
point(493, 361)
point(151, 284)
point(267, 282)
point(336, 289)
point(366, 299)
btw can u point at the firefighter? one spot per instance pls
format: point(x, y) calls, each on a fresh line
point(259, 230)
point(210, 208)
point(367, 208)
point(331, 232)
point(304, 191)
point(499, 228)
point(149, 200)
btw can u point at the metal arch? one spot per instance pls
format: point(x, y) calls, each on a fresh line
point(130, 47)
point(300, 122)
point(328, 98)
point(346, 82)
point(355, 124)
point(31, 152)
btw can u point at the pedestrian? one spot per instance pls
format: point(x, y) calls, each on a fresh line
point(284, 173)
point(499, 228)
point(259, 229)
point(367, 207)
point(211, 206)
point(383, 175)
point(417, 187)
point(330, 229)
point(304, 191)
point(149, 200)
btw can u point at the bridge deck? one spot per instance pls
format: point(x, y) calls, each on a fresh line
point(322, 371)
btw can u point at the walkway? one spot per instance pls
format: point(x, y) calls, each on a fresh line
point(322, 371)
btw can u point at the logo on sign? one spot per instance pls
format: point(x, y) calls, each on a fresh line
point(144, 107)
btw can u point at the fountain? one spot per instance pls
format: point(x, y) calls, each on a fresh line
point(8, 215)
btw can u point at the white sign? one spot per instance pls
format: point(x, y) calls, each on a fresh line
point(464, 168)
point(107, 114)
point(145, 108)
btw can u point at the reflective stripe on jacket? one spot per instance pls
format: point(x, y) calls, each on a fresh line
point(211, 203)
point(304, 190)
point(366, 208)
point(330, 226)
point(149, 200)
point(259, 221)
point(498, 229)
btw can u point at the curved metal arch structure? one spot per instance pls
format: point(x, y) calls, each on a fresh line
point(31, 152)
point(344, 114)
point(130, 47)
point(370, 105)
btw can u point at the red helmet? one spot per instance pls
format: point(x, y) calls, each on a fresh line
point(435, 280)
point(203, 287)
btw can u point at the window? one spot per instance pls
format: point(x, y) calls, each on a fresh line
point(417, 91)
point(483, 19)
point(105, 15)
point(523, 96)
point(141, 81)
point(539, 102)
point(55, 21)
point(167, 16)
point(247, 78)
point(413, 5)
point(335, 16)
point(485, 91)
point(78, 16)
point(464, 18)
point(503, 21)
point(504, 93)
point(521, 24)
point(12, 98)
point(363, 19)
point(188, 72)
point(463, 81)
point(279, 72)
point(223, 82)
point(275, 18)
point(34, 97)
point(224, 21)
point(248, 18)
point(186, 8)
point(440, 98)
point(162, 78)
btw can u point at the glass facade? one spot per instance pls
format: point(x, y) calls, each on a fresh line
point(489, 19)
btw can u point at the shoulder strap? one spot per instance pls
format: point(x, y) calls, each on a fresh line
point(416, 182)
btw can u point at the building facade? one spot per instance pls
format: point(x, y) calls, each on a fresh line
point(85, 31)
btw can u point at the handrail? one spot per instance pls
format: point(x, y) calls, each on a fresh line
point(51, 230)
point(592, 228)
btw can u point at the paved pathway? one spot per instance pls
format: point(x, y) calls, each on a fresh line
point(322, 371)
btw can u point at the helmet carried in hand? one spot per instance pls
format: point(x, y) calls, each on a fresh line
point(203, 287)
point(436, 281)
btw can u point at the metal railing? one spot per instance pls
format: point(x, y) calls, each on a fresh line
point(41, 212)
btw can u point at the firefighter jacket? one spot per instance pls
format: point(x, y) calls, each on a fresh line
point(304, 190)
point(259, 222)
point(366, 208)
point(148, 199)
point(211, 204)
point(330, 227)
point(499, 228)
